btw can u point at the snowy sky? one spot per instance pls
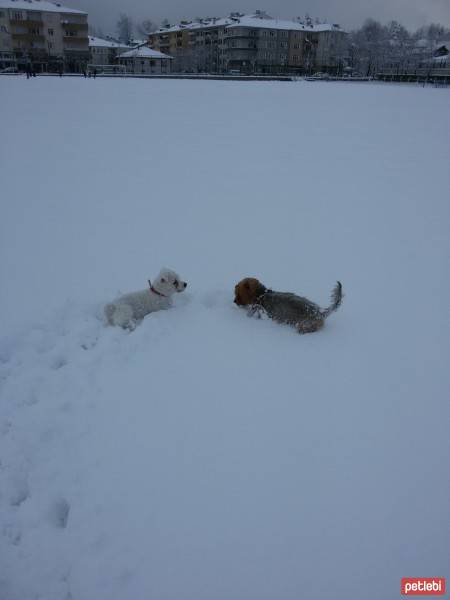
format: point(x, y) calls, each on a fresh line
point(349, 13)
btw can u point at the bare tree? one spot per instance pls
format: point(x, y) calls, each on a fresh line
point(370, 46)
point(145, 27)
point(392, 48)
point(96, 31)
point(124, 28)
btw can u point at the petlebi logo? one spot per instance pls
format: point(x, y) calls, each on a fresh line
point(423, 586)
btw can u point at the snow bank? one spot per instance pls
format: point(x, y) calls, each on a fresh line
point(208, 455)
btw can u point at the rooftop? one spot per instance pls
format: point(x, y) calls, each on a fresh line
point(102, 43)
point(258, 19)
point(39, 5)
point(143, 52)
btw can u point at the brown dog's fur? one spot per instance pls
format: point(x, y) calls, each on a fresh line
point(247, 291)
point(304, 315)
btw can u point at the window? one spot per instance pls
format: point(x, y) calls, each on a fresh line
point(18, 16)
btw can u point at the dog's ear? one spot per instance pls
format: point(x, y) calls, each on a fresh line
point(260, 289)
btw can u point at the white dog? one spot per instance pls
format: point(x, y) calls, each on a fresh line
point(128, 310)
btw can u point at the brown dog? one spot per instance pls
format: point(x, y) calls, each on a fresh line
point(284, 307)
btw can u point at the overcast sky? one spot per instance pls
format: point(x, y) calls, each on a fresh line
point(349, 13)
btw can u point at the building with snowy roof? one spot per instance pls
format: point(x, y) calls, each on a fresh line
point(43, 35)
point(145, 61)
point(255, 43)
point(104, 52)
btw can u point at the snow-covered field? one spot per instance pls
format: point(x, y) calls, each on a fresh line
point(207, 455)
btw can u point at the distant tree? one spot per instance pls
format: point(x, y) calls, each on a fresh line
point(375, 47)
point(145, 27)
point(124, 28)
point(397, 32)
point(96, 31)
point(434, 32)
point(373, 31)
point(369, 46)
point(165, 24)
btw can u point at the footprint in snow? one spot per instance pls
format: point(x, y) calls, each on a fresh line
point(20, 492)
point(58, 363)
point(12, 534)
point(59, 513)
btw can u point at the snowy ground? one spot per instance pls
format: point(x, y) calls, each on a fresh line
point(209, 456)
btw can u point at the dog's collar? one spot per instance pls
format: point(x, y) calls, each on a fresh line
point(258, 299)
point(152, 289)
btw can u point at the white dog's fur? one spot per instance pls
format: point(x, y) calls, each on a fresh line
point(128, 310)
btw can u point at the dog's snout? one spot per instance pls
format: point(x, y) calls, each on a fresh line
point(184, 284)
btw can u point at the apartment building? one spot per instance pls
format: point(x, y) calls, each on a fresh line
point(43, 35)
point(196, 47)
point(254, 43)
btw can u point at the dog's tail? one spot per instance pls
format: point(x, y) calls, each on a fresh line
point(336, 300)
point(109, 312)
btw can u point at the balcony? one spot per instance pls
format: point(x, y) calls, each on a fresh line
point(77, 50)
point(35, 22)
point(73, 20)
point(27, 36)
point(30, 48)
point(74, 26)
point(76, 42)
point(238, 33)
point(241, 47)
